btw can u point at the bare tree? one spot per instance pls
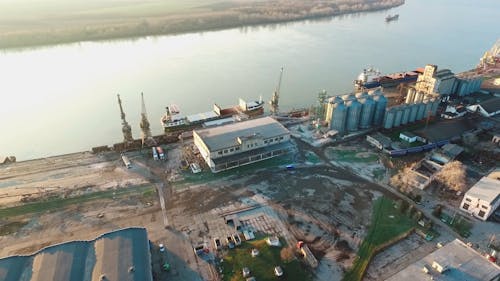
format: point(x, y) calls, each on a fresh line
point(403, 180)
point(453, 176)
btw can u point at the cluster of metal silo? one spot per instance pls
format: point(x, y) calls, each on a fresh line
point(468, 85)
point(380, 106)
point(350, 113)
point(353, 115)
point(336, 114)
point(408, 113)
point(367, 111)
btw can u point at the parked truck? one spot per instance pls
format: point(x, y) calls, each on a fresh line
point(126, 161)
point(155, 153)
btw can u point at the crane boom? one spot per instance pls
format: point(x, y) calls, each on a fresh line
point(276, 95)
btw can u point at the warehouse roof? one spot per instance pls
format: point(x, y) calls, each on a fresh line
point(447, 129)
point(460, 261)
point(226, 136)
point(119, 255)
point(486, 189)
point(491, 105)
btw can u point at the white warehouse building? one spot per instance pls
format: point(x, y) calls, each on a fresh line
point(242, 143)
point(483, 198)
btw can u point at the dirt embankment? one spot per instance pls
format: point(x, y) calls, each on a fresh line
point(88, 22)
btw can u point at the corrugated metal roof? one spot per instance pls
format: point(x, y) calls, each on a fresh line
point(491, 105)
point(486, 189)
point(112, 255)
point(226, 136)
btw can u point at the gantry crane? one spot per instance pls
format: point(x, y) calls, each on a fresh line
point(126, 129)
point(147, 138)
point(276, 95)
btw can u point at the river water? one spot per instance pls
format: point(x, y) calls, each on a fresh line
point(62, 99)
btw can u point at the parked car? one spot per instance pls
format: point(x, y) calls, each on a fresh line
point(278, 271)
point(162, 248)
point(246, 271)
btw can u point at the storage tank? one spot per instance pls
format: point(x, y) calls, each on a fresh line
point(339, 117)
point(435, 105)
point(367, 111)
point(410, 96)
point(428, 108)
point(398, 116)
point(419, 97)
point(381, 104)
point(406, 115)
point(420, 111)
point(353, 115)
point(389, 118)
point(329, 109)
point(413, 113)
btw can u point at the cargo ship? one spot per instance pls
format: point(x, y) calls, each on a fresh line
point(172, 121)
point(391, 18)
point(371, 78)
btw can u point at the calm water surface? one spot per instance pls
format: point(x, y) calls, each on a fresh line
point(62, 99)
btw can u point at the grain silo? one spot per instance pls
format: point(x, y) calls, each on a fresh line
point(381, 104)
point(339, 117)
point(428, 107)
point(435, 105)
point(367, 111)
point(406, 115)
point(329, 107)
point(413, 113)
point(410, 96)
point(353, 114)
point(420, 111)
point(398, 116)
point(419, 97)
point(389, 118)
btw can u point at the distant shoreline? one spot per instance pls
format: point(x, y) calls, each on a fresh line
point(171, 25)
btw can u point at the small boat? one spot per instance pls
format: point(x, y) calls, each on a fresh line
point(391, 17)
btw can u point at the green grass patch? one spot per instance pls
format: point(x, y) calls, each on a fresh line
point(352, 155)
point(262, 266)
point(59, 203)
point(379, 173)
point(312, 157)
point(207, 176)
point(387, 223)
point(458, 223)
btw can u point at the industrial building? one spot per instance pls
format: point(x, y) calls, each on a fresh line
point(454, 261)
point(351, 113)
point(468, 84)
point(242, 143)
point(408, 113)
point(483, 198)
point(446, 81)
point(121, 255)
point(487, 108)
point(427, 83)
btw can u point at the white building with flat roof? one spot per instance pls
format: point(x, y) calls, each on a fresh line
point(241, 143)
point(454, 261)
point(483, 198)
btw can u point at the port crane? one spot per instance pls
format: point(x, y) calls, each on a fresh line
point(126, 129)
point(276, 95)
point(147, 137)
